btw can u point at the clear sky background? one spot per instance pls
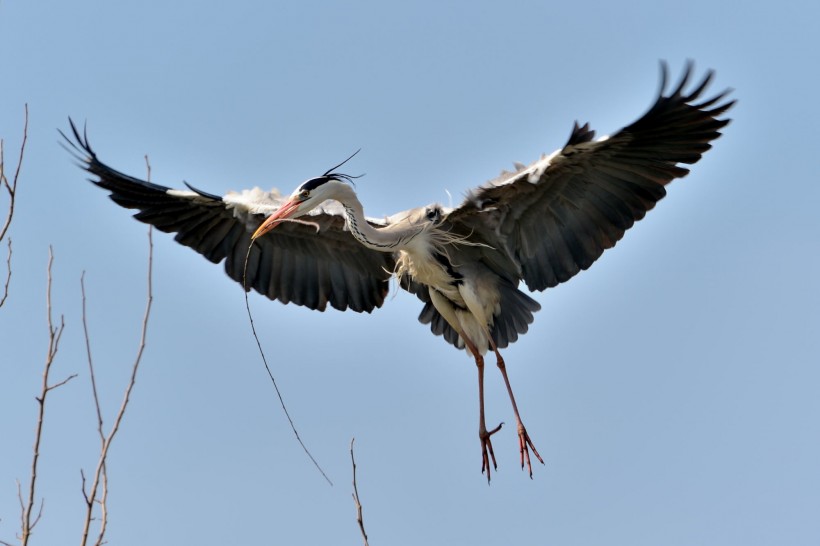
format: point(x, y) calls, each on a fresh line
point(672, 389)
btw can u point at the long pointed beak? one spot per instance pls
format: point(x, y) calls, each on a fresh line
point(285, 211)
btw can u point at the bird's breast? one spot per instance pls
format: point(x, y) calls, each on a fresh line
point(433, 269)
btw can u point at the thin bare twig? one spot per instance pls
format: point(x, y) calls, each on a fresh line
point(8, 277)
point(90, 362)
point(98, 492)
point(356, 496)
point(148, 167)
point(11, 189)
point(27, 522)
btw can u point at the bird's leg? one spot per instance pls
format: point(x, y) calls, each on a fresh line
point(483, 433)
point(524, 441)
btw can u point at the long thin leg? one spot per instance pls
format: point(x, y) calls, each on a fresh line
point(523, 438)
point(448, 311)
point(483, 434)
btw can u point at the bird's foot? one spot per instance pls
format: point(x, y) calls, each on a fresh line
point(487, 448)
point(524, 442)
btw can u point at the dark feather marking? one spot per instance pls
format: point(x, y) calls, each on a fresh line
point(206, 223)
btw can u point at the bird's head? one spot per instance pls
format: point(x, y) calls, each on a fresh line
point(310, 194)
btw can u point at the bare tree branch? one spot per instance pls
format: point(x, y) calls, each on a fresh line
point(8, 276)
point(356, 496)
point(98, 492)
point(11, 189)
point(147, 168)
point(27, 522)
point(90, 362)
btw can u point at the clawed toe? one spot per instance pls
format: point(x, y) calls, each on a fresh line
point(487, 449)
point(524, 442)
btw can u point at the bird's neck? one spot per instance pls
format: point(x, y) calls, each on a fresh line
point(363, 231)
point(381, 239)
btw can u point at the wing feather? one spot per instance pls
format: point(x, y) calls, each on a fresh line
point(556, 217)
point(292, 264)
point(547, 221)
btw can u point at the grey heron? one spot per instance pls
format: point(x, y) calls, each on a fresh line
point(540, 224)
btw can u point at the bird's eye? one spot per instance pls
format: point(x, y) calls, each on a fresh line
point(432, 214)
point(304, 194)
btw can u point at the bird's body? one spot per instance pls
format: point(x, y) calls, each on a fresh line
point(541, 224)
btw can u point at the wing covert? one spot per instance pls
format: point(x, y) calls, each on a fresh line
point(554, 218)
point(293, 263)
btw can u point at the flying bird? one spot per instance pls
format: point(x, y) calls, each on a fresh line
point(540, 225)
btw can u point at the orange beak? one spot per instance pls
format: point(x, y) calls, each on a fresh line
point(285, 211)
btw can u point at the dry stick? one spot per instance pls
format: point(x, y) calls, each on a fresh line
point(8, 277)
point(104, 514)
point(100, 476)
point(11, 189)
point(90, 363)
point(27, 524)
point(148, 167)
point(270, 374)
point(356, 495)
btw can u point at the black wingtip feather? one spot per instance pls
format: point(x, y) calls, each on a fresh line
point(78, 147)
point(684, 81)
point(707, 79)
point(580, 134)
point(202, 193)
point(664, 77)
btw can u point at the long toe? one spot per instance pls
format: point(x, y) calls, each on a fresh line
point(487, 449)
point(525, 444)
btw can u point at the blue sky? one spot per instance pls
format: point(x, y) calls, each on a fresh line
point(672, 388)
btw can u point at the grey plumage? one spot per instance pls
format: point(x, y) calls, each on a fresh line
point(549, 221)
point(541, 224)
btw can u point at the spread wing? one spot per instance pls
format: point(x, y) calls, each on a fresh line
point(554, 218)
point(293, 263)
